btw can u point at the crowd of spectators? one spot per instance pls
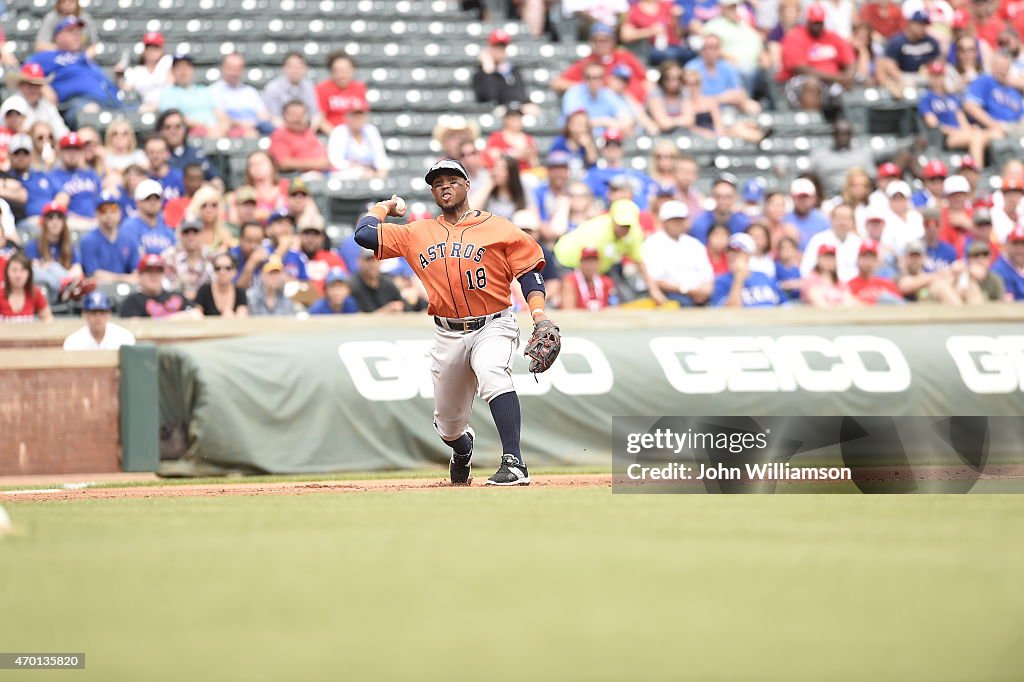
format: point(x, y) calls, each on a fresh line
point(80, 211)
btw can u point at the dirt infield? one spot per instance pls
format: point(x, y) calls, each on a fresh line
point(289, 488)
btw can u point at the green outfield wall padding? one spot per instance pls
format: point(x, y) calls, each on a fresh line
point(140, 408)
point(362, 400)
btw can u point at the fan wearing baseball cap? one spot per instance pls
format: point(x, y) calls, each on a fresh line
point(78, 81)
point(1004, 213)
point(941, 111)
point(151, 73)
point(741, 287)
point(817, 64)
point(497, 80)
point(868, 287)
point(152, 300)
point(1010, 265)
point(678, 262)
point(99, 333)
point(108, 254)
point(585, 288)
point(30, 80)
point(616, 235)
point(807, 217)
point(75, 185)
point(905, 54)
point(148, 229)
point(337, 298)
point(822, 287)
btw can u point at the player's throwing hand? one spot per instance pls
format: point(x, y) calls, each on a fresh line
point(395, 206)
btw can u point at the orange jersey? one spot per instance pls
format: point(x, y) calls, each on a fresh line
point(467, 268)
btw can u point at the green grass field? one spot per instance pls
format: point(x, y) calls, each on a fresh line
point(519, 584)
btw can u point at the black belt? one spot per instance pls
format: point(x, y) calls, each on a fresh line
point(466, 324)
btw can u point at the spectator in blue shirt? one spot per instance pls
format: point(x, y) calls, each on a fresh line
point(170, 178)
point(1010, 265)
point(726, 210)
point(994, 103)
point(75, 186)
point(240, 102)
point(195, 102)
point(547, 195)
point(171, 126)
point(280, 229)
point(939, 255)
point(107, 253)
point(809, 220)
point(36, 183)
point(337, 298)
point(78, 81)
point(605, 109)
point(612, 166)
point(906, 53)
point(720, 79)
point(742, 287)
point(942, 110)
point(148, 228)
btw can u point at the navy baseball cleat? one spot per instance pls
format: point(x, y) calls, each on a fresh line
point(511, 472)
point(459, 468)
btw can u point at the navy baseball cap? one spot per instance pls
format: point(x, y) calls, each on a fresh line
point(281, 214)
point(108, 198)
point(97, 300)
point(601, 30)
point(920, 17)
point(446, 166)
point(622, 71)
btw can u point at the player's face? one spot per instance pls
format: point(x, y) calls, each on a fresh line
point(449, 191)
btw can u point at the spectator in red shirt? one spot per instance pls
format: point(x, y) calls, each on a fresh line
point(586, 288)
point(657, 23)
point(1012, 11)
point(987, 24)
point(339, 92)
point(869, 288)
point(816, 64)
point(604, 51)
point(883, 16)
point(320, 260)
point(512, 141)
point(295, 146)
point(956, 214)
point(20, 299)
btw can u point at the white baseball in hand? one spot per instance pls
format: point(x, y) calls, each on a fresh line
point(399, 205)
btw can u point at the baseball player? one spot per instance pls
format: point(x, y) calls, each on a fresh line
point(467, 260)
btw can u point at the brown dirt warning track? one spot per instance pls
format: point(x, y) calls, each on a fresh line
point(285, 488)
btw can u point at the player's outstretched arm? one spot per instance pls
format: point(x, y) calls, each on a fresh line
point(366, 229)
